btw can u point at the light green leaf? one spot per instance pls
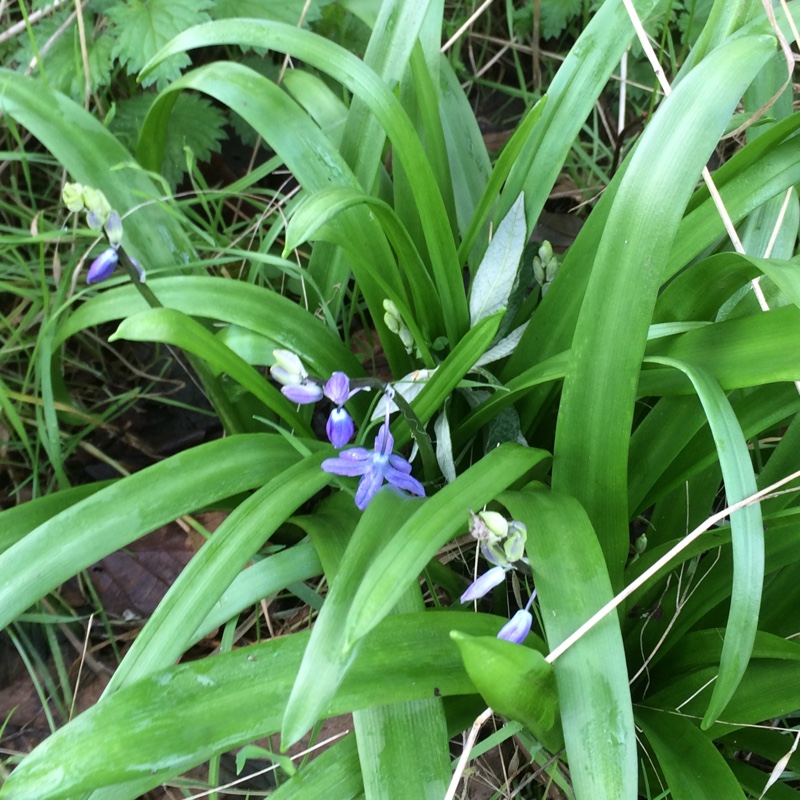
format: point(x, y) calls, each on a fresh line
point(597, 403)
point(164, 724)
point(572, 582)
point(173, 327)
point(115, 516)
point(747, 530)
point(694, 769)
point(497, 272)
point(515, 681)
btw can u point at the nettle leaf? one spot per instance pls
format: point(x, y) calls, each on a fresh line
point(494, 279)
point(143, 28)
point(194, 123)
point(289, 11)
point(555, 14)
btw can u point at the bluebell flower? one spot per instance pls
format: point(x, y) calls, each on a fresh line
point(374, 466)
point(484, 584)
point(517, 628)
point(103, 266)
point(289, 371)
point(340, 427)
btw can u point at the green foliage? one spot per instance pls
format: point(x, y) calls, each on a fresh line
point(638, 395)
point(142, 28)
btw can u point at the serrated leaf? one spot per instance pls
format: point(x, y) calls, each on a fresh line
point(197, 124)
point(143, 28)
point(516, 682)
point(555, 14)
point(494, 279)
point(194, 123)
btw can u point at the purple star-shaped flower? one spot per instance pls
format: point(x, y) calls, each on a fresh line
point(374, 466)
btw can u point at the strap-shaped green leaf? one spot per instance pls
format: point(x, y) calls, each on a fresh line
point(192, 596)
point(168, 722)
point(572, 583)
point(172, 327)
point(747, 530)
point(596, 411)
point(515, 681)
point(693, 768)
point(115, 516)
point(365, 84)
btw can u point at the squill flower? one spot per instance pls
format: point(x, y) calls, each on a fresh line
point(375, 466)
point(103, 266)
point(289, 371)
point(340, 427)
point(519, 626)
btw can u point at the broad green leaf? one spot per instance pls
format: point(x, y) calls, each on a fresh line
point(166, 723)
point(334, 774)
point(497, 273)
point(325, 661)
point(171, 627)
point(693, 768)
point(570, 97)
point(750, 351)
point(17, 522)
point(376, 571)
point(235, 302)
point(115, 516)
point(403, 747)
point(414, 280)
point(266, 577)
point(172, 327)
point(572, 582)
point(747, 531)
point(516, 682)
point(92, 156)
point(591, 448)
point(359, 79)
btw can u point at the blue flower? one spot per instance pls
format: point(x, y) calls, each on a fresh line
point(374, 466)
point(340, 427)
point(484, 584)
point(103, 266)
point(517, 628)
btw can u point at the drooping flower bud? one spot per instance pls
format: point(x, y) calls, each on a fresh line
point(288, 368)
point(514, 545)
point(103, 266)
point(72, 196)
point(97, 208)
point(517, 628)
point(484, 584)
point(113, 228)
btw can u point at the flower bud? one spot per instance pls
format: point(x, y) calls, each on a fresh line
point(517, 628)
point(113, 228)
point(496, 525)
point(72, 196)
point(484, 584)
point(97, 207)
point(103, 266)
point(288, 368)
point(514, 545)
